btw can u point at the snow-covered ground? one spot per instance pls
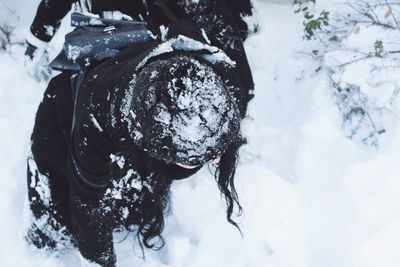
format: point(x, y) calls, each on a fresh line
point(311, 196)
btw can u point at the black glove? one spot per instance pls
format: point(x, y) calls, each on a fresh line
point(37, 63)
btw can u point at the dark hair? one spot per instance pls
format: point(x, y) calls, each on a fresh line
point(225, 177)
point(146, 218)
point(148, 222)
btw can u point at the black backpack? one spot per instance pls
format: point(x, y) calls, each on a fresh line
point(95, 39)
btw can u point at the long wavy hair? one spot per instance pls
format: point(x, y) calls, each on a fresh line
point(147, 221)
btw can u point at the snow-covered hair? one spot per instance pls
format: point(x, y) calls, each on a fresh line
point(182, 111)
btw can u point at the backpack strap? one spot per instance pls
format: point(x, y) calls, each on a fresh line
point(76, 80)
point(107, 145)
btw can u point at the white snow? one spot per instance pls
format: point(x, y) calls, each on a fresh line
point(311, 196)
point(95, 122)
point(183, 43)
point(119, 159)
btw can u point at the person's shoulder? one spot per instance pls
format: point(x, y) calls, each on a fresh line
point(186, 28)
point(135, 50)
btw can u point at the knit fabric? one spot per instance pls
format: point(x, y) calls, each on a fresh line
point(181, 111)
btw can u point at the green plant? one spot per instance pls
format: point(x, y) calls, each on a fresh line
point(378, 48)
point(313, 24)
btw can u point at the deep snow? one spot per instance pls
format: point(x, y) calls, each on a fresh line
point(311, 196)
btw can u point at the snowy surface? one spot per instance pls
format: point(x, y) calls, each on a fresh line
point(311, 196)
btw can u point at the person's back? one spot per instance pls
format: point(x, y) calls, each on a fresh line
point(138, 115)
point(222, 22)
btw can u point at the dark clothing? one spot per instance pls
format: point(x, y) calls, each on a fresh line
point(96, 176)
point(47, 173)
point(221, 21)
point(51, 12)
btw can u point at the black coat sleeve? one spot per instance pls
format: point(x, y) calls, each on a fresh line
point(48, 18)
point(221, 28)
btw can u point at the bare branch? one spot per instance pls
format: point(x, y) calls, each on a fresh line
point(391, 12)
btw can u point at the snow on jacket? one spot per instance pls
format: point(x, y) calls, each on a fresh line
point(101, 199)
point(222, 22)
point(51, 12)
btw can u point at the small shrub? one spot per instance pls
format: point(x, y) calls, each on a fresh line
point(312, 23)
point(378, 48)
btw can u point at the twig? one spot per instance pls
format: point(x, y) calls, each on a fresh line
point(391, 12)
point(9, 9)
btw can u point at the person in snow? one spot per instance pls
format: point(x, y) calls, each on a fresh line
point(156, 112)
point(51, 12)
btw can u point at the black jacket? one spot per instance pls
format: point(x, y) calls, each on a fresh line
point(51, 12)
point(101, 143)
point(221, 21)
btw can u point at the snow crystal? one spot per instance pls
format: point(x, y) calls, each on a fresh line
point(119, 159)
point(74, 52)
point(132, 114)
point(95, 21)
point(154, 74)
point(95, 123)
point(39, 182)
point(204, 34)
point(136, 184)
point(163, 115)
point(124, 188)
point(125, 212)
point(163, 32)
point(116, 15)
point(50, 31)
